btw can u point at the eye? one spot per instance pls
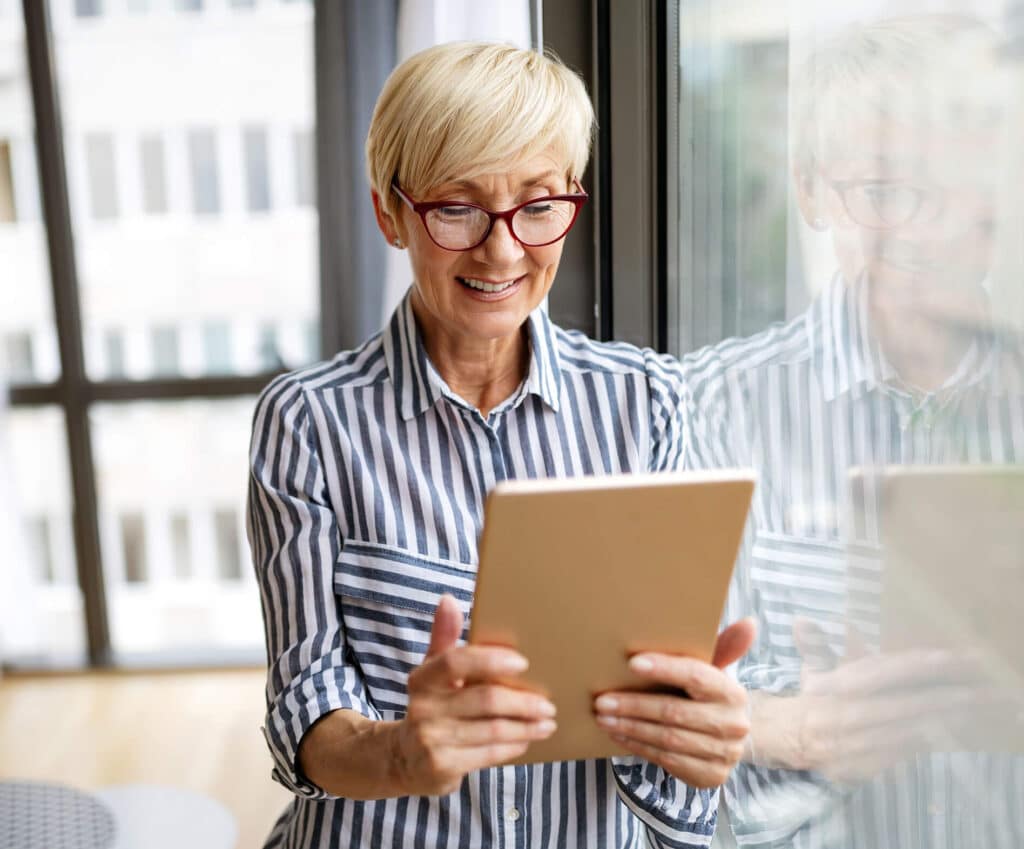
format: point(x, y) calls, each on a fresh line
point(454, 212)
point(539, 208)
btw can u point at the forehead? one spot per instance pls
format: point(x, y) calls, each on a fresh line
point(881, 147)
point(537, 170)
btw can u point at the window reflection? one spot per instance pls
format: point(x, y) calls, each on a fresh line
point(883, 409)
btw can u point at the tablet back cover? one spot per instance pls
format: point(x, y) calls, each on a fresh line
point(578, 575)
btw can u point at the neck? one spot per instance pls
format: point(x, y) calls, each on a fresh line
point(925, 349)
point(483, 372)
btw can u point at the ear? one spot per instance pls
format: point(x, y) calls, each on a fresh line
point(388, 225)
point(809, 198)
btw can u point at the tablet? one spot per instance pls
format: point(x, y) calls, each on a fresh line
point(580, 574)
point(952, 557)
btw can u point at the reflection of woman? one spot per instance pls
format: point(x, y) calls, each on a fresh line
point(368, 479)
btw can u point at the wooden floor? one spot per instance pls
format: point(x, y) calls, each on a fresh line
point(195, 730)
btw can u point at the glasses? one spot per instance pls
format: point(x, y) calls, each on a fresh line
point(884, 204)
point(457, 226)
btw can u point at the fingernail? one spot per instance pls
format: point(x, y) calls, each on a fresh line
point(515, 663)
point(607, 720)
point(606, 703)
point(546, 709)
point(641, 664)
point(546, 726)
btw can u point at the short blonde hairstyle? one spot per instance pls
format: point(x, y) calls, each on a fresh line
point(462, 109)
point(930, 71)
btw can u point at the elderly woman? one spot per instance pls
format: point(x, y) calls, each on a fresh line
point(369, 474)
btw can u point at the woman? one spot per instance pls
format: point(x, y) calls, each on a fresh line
point(368, 479)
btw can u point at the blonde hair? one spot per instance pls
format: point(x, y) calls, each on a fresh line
point(462, 109)
point(932, 71)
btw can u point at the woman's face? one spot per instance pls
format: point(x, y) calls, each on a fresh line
point(445, 302)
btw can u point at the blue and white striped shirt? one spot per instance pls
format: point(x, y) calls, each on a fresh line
point(803, 403)
point(366, 495)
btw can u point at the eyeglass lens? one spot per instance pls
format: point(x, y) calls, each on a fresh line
point(459, 226)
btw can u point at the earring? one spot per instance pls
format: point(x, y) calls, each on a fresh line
point(819, 223)
point(397, 243)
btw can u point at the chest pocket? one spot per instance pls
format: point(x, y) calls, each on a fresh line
point(388, 598)
point(807, 578)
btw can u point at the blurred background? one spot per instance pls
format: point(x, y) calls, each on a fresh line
point(184, 214)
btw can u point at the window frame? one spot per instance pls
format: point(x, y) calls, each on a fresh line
point(73, 392)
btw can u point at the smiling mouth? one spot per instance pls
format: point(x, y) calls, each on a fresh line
point(487, 286)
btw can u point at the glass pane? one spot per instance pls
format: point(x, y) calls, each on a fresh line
point(171, 487)
point(41, 610)
point(191, 184)
point(28, 340)
point(849, 239)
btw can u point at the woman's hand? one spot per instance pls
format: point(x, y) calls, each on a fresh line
point(459, 718)
point(697, 739)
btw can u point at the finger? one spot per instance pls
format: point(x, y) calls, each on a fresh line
point(467, 665)
point(942, 704)
point(734, 642)
point(673, 710)
point(695, 772)
point(677, 741)
point(700, 680)
point(447, 626)
point(894, 672)
point(812, 643)
point(486, 732)
point(495, 700)
point(471, 759)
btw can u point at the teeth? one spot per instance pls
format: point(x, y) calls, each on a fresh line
point(486, 287)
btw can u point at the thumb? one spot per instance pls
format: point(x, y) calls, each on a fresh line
point(447, 626)
point(811, 643)
point(734, 642)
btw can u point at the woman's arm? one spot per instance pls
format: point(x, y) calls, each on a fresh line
point(458, 721)
point(326, 736)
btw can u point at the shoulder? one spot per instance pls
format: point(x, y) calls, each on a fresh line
point(362, 366)
point(579, 354)
point(713, 370)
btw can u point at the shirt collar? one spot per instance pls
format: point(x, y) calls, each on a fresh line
point(418, 385)
point(850, 358)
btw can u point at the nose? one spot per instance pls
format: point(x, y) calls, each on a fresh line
point(500, 247)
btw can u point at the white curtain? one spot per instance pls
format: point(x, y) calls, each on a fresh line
point(424, 23)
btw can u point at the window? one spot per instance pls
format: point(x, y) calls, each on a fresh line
point(88, 8)
point(154, 177)
point(257, 177)
point(305, 168)
point(267, 348)
point(202, 153)
point(113, 348)
point(181, 546)
point(40, 548)
point(229, 559)
point(20, 359)
point(8, 207)
point(133, 547)
point(99, 157)
point(217, 347)
point(166, 360)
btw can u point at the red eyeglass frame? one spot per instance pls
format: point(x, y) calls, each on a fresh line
point(422, 208)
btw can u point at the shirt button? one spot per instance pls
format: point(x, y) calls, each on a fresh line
point(513, 814)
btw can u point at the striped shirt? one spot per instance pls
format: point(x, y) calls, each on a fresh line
point(368, 479)
point(803, 403)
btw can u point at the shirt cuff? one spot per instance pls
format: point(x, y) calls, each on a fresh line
point(674, 814)
point(326, 685)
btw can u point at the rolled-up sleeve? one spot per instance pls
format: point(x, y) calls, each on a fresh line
point(295, 540)
point(673, 813)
